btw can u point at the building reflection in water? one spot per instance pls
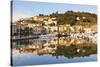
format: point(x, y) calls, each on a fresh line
point(62, 46)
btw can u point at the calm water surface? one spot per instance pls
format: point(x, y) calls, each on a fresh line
point(53, 50)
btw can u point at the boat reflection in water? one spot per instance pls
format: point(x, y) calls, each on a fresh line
point(53, 50)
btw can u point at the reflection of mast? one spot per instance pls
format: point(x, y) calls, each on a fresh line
point(57, 56)
point(71, 41)
point(57, 46)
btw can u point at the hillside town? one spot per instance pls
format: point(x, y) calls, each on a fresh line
point(46, 26)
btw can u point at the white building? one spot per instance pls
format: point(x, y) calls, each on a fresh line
point(87, 30)
point(50, 21)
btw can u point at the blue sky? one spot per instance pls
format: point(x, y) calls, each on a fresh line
point(23, 9)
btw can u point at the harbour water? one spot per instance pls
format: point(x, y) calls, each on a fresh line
point(53, 50)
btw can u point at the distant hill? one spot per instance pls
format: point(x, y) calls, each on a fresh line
point(69, 17)
point(73, 18)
